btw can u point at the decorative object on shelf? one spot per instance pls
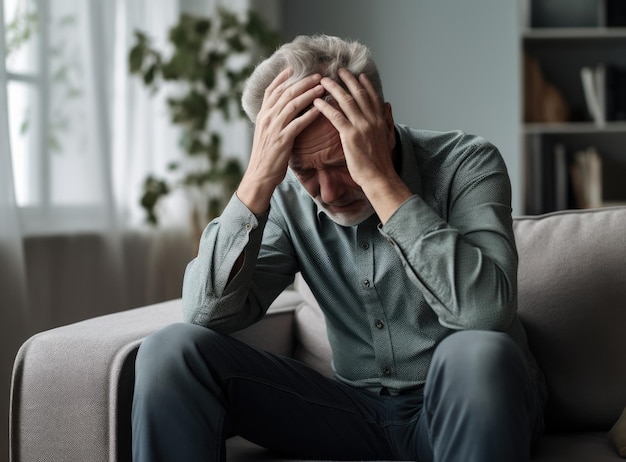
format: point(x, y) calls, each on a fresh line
point(211, 59)
point(543, 102)
point(587, 178)
point(605, 92)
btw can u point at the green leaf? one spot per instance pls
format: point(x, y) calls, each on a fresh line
point(203, 27)
point(135, 58)
point(171, 71)
point(223, 104)
point(148, 77)
point(209, 79)
point(236, 44)
point(197, 147)
point(228, 20)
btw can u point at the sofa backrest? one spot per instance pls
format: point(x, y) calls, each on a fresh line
point(572, 301)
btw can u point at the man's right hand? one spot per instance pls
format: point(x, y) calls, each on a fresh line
point(276, 127)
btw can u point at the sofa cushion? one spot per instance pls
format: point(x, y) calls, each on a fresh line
point(572, 296)
point(313, 346)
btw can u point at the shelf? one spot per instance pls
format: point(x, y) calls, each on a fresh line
point(574, 128)
point(574, 33)
point(551, 150)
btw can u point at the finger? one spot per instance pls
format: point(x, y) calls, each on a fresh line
point(364, 93)
point(272, 92)
point(344, 99)
point(297, 125)
point(372, 92)
point(298, 98)
point(296, 89)
point(356, 89)
point(334, 115)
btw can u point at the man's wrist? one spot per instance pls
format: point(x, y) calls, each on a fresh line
point(386, 196)
point(254, 195)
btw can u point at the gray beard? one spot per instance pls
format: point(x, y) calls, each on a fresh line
point(346, 219)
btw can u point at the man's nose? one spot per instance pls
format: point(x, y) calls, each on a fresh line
point(331, 186)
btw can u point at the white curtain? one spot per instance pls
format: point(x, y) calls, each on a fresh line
point(13, 301)
point(73, 245)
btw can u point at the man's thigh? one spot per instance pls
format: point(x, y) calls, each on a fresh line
point(283, 405)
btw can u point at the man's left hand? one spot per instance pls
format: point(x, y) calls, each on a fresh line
point(366, 128)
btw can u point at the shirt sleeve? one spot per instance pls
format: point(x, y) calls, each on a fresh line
point(209, 298)
point(466, 264)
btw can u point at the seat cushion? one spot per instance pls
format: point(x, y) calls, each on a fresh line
point(572, 301)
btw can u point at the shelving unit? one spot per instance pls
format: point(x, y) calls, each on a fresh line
point(552, 179)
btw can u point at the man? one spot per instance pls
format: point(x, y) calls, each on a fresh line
point(405, 238)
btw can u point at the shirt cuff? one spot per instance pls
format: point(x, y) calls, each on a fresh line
point(237, 216)
point(414, 215)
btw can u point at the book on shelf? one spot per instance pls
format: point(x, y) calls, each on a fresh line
point(604, 87)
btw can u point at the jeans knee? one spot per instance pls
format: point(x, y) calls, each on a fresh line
point(166, 354)
point(479, 364)
point(479, 350)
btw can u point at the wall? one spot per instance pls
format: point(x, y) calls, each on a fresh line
point(445, 64)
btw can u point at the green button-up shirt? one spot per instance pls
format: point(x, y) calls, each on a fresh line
point(446, 260)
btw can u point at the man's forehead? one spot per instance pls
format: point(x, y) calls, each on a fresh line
point(329, 159)
point(321, 137)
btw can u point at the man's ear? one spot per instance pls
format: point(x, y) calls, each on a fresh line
point(391, 127)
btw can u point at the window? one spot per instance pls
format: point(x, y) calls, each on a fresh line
point(57, 114)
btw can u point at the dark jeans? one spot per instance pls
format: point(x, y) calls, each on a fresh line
point(194, 388)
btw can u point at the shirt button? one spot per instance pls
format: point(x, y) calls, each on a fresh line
point(386, 371)
point(366, 282)
point(379, 324)
point(365, 245)
point(248, 226)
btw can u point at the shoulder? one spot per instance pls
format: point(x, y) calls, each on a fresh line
point(452, 149)
point(453, 141)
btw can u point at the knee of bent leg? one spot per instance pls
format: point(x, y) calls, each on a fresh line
point(163, 353)
point(484, 358)
point(477, 349)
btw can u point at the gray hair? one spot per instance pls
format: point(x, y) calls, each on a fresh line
point(308, 55)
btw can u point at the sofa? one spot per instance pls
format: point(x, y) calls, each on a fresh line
point(72, 386)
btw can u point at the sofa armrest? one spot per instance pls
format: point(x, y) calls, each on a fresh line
point(72, 386)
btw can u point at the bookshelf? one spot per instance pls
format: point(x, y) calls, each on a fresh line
point(573, 138)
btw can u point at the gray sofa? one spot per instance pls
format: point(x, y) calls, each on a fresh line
point(72, 386)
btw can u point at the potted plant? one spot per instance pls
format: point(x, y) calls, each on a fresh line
point(211, 59)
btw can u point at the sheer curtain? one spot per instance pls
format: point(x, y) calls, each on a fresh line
point(77, 137)
point(13, 301)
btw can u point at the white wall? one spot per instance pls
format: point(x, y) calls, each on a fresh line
point(445, 64)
